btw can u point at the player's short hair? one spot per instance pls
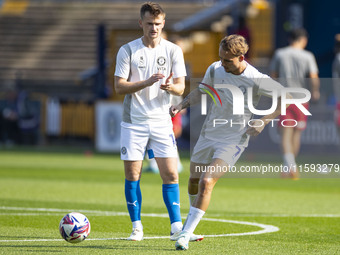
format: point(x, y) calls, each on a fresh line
point(297, 34)
point(235, 44)
point(153, 8)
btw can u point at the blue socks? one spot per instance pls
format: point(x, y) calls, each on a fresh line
point(133, 198)
point(171, 200)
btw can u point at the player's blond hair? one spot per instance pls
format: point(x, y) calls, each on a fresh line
point(235, 44)
point(153, 8)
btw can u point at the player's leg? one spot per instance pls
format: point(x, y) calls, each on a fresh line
point(177, 128)
point(287, 134)
point(133, 197)
point(296, 141)
point(192, 192)
point(207, 183)
point(301, 120)
point(162, 145)
point(201, 158)
point(197, 210)
point(168, 169)
point(133, 142)
point(195, 175)
point(286, 128)
point(209, 176)
point(170, 191)
point(287, 140)
point(202, 152)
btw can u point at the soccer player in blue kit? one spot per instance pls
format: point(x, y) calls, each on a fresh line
point(149, 71)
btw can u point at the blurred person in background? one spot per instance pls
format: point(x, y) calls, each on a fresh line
point(9, 118)
point(336, 80)
point(294, 64)
point(19, 119)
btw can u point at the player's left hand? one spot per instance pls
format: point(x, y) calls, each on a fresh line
point(167, 86)
point(256, 127)
point(174, 110)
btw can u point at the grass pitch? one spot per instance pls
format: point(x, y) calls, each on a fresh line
point(38, 188)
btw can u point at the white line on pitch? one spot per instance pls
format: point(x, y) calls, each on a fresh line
point(264, 227)
point(279, 215)
point(110, 213)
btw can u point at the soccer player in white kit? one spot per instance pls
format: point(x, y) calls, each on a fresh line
point(148, 71)
point(222, 145)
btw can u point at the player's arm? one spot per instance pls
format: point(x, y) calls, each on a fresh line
point(176, 88)
point(122, 86)
point(191, 99)
point(257, 126)
point(315, 86)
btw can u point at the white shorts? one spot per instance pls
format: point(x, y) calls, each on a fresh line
point(206, 150)
point(157, 139)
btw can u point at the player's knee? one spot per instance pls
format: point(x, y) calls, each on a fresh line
point(170, 177)
point(207, 184)
point(132, 177)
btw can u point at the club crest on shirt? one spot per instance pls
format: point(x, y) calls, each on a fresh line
point(161, 61)
point(141, 63)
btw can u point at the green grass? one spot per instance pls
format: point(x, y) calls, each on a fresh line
point(94, 185)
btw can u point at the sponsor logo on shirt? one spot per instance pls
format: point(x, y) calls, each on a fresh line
point(141, 63)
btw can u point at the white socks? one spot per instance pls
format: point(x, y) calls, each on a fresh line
point(176, 226)
point(137, 224)
point(194, 217)
point(289, 162)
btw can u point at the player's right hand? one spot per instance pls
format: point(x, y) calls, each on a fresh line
point(174, 110)
point(154, 78)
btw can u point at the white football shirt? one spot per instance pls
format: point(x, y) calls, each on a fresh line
point(234, 133)
point(136, 62)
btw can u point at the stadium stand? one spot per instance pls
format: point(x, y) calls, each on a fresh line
point(47, 44)
point(48, 47)
point(50, 50)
